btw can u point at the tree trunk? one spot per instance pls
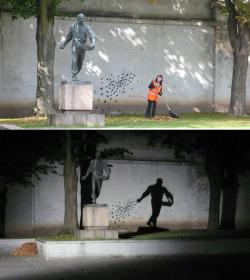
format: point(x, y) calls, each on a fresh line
point(240, 66)
point(229, 208)
point(3, 200)
point(230, 192)
point(214, 177)
point(45, 62)
point(70, 185)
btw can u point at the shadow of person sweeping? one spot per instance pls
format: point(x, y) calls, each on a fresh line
point(157, 192)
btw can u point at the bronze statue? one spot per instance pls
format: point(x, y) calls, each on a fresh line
point(79, 33)
point(100, 171)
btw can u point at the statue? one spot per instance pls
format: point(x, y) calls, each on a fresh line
point(78, 33)
point(100, 171)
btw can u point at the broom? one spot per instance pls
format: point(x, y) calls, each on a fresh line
point(171, 114)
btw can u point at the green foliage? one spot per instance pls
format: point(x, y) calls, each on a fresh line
point(115, 152)
point(243, 11)
point(241, 8)
point(30, 8)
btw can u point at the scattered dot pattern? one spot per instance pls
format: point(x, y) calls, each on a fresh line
point(114, 87)
point(121, 211)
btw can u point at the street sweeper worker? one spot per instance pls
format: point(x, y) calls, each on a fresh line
point(155, 89)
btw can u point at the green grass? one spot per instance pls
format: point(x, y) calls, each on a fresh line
point(161, 234)
point(186, 121)
point(186, 234)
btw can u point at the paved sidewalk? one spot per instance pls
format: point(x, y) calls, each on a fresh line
point(220, 267)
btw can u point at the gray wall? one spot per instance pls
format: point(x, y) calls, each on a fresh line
point(40, 210)
point(141, 40)
point(165, 9)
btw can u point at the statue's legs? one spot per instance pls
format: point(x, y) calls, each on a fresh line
point(96, 188)
point(77, 61)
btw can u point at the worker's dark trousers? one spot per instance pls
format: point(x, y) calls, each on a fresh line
point(147, 115)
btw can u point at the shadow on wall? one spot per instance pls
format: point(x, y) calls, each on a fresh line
point(157, 191)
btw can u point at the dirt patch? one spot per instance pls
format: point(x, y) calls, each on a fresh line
point(162, 118)
point(26, 249)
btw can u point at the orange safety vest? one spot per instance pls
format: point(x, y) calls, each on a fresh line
point(154, 92)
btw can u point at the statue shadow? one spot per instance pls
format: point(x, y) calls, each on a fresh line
point(142, 231)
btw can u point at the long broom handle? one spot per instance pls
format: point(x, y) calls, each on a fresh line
point(166, 102)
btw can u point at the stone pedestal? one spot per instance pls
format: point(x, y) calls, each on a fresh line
point(86, 119)
point(95, 220)
point(76, 96)
point(76, 104)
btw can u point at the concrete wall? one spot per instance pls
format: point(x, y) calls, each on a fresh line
point(36, 210)
point(185, 41)
point(40, 210)
point(170, 38)
point(128, 54)
point(165, 9)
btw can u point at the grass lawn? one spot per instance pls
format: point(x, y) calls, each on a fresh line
point(185, 121)
point(162, 234)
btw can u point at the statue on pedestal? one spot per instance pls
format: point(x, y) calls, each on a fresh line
point(79, 33)
point(100, 171)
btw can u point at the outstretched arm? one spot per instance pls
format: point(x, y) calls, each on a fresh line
point(146, 193)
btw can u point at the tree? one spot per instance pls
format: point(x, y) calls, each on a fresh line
point(21, 157)
point(239, 35)
point(80, 148)
point(44, 11)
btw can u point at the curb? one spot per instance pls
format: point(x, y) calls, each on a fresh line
point(127, 248)
point(63, 249)
point(4, 126)
point(7, 246)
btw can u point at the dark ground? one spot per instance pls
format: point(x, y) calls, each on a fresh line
point(228, 267)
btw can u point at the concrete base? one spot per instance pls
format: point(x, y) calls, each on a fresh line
point(98, 234)
point(95, 216)
point(95, 220)
point(86, 119)
point(76, 96)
